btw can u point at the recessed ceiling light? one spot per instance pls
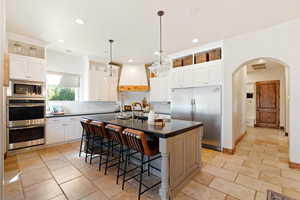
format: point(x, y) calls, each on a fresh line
point(195, 40)
point(79, 21)
point(156, 53)
point(130, 60)
point(61, 41)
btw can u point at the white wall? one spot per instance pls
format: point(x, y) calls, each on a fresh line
point(61, 62)
point(280, 42)
point(274, 71)
point(239, 105)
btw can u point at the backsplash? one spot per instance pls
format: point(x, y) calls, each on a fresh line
point(161, 107)
point(85, 106)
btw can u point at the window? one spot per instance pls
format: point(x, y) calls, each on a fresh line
point(62, 86)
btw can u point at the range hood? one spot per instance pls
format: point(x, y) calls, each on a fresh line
point(133, 79)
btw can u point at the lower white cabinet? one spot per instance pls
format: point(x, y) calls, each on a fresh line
point(63, 129)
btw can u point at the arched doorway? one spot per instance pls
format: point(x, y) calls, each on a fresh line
point(260, 98)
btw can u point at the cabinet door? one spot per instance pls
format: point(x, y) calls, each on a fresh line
point(17, 68)
point(55, 132)
point(188, 77)
point(36, 70)
point(72, 128)
point(177, 78)
point(201, 76)
point(155, 89)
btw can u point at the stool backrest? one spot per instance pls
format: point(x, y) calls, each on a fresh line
point(85, 125)
point(115, 133)
point(136, 140)
point(98, 129)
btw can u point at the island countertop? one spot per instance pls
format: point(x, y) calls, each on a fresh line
point(171, 128)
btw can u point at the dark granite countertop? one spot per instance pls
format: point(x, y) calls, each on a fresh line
point(172, 127)
point(76, 114)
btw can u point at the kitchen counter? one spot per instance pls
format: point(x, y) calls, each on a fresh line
point(172, 127)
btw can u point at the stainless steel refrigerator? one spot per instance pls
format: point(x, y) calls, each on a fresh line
point(201, 104)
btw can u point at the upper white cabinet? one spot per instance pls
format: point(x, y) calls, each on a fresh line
point(209, 73)
point(160, 89)
point(26, 68)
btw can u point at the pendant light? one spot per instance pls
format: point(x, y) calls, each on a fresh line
point(163, 64)
point(110, 67)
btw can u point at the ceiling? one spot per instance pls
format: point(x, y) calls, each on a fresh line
point(269, 65)
point(134, 25)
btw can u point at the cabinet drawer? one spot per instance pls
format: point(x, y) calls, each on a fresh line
point(188, 60)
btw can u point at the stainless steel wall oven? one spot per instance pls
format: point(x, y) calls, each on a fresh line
point(26, 122)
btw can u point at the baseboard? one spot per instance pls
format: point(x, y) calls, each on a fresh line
point(228, 151)
point(240, 138)
point(5, 155)
point(294, 165)
point(286, 134)
point(232, 151)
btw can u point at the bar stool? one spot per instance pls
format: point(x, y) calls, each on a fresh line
point(116, 144)
point(85, 130)
point(94, 140)
point(137, 141)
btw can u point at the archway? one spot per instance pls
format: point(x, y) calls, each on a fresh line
point(245, 110)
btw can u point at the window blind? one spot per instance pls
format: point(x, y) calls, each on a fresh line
point(63, 80)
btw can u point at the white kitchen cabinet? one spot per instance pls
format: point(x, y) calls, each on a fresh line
point(63, 129)
point(197, 75)
point(160, 89)
point(26, 68)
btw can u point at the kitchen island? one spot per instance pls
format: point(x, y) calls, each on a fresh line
point(179, 145)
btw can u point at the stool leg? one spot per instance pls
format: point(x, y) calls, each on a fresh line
point(81, 142)
point(125, 170)
point(149, 173)
point(119, 162)
point(108, 150)
point(87, 148)
point(92, 150)
point(101, 152)
point(141, 175)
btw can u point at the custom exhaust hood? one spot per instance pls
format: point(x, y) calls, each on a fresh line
point(133, 79)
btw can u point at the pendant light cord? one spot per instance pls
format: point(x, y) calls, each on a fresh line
point(110, 63)
point(160, 40)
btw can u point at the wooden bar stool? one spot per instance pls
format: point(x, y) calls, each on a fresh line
point(116, 144)
point(94, 139)
point(137, 140)
point(85, 130)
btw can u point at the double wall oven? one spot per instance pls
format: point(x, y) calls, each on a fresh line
point(25, 114)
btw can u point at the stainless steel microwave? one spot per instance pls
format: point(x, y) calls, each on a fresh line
point(26, 89)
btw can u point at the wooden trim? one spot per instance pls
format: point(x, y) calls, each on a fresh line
point(232, 151)
point(294, 165)
point(6, 71)
point(133, 88)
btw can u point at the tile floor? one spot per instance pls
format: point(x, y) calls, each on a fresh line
point(57, 173)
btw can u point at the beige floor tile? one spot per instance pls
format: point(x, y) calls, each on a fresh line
point(292, 174)
point(261, 196)
point(264, 169)
point(129, 194)
point(32, 154)
point(276, 163)
point(30, 164)
point(202, 192)
point(242, 170)
point(256, 184)
point(92, 172)
point(182, 196)
point(59, 197)
point(11, 166)
point(64, 174)
point(13, 191)
point(228, 197)
point(98, 195)
point(43, 191)
point(204, 178)
point(220, 172)
point(107, 184)
point(233, 189)
point(57, 163)
point(291, 193)
point(35, 176)
point(78, 188)
point(50, 155)
point(12, 176)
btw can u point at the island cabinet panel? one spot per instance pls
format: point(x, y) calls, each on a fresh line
point(181, 160)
